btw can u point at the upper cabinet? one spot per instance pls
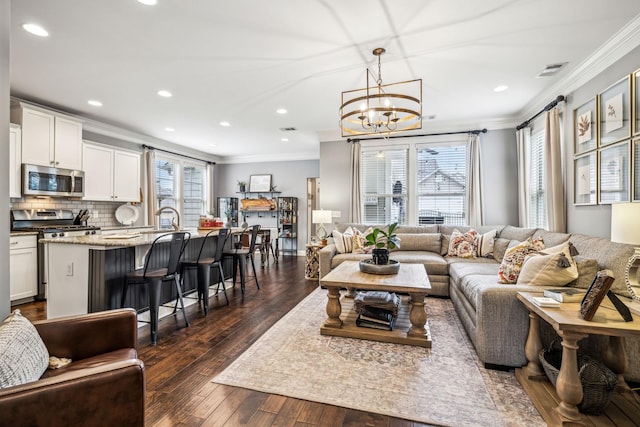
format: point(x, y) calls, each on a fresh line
point(15, 149)
point(49, 139)
point(111, 174)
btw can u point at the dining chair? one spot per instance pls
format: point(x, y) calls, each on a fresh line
point(203, 264)
point(154, 276)
point(240, 257)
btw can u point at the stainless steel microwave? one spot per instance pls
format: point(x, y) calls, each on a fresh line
point(54, 182)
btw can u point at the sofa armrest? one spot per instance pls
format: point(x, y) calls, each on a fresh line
point(87, 335)
point(326, 255)
point(109, 394)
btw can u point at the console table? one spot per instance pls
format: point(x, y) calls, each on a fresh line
point(559, 407)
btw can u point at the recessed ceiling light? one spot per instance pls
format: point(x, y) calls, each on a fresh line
point(94, 103)
point(148, 2)
point(169, 129)
point(212, 145)
point(500, 88)
point(225, 124)
point(36, 30)
point(284, 139)
point(281, 111)
point(165, 93)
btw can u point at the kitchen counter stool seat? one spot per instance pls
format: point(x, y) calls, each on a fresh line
point(240, 257)
point(154, 277)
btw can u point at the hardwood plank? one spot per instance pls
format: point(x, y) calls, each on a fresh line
point(288, 414)
point(226, 408)
point(311, 412)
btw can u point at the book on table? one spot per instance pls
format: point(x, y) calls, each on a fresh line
point(371, 322)
point(565, 294)
point(545, 302)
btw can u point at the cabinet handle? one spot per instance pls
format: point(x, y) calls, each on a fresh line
point(57, 163)
point(14, 243)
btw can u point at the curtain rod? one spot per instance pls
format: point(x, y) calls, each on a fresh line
point(177, 154)
point(474, 132)
point(548, 107)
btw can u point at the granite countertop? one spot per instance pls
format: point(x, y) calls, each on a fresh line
point(126, 227)
point(23, 233)
point(119, 240)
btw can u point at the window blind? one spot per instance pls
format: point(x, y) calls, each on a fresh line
point(384, 186)
point(193, 190)
point(537, 203)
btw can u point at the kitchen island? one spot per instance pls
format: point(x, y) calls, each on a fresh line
point(86, 274)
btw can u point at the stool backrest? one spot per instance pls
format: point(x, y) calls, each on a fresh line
point(177, 245)
point(223, 235)
point(254, 235)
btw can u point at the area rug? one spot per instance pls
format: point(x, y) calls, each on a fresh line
point(444, 385)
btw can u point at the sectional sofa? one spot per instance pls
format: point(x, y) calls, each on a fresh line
point(494, 319)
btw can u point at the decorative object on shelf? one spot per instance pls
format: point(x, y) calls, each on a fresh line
point(615, 112)
point(585, 127)
point(321, 217)
point(242, 186)
point(382, 241)
point(614, 168)
point(624, 229)
point(260, 183)
point(259, 204)
point(381, 108)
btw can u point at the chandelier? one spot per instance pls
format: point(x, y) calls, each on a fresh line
point(382, 108)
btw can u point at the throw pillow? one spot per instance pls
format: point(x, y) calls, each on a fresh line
point(23, 355)
point(551, 267)
point(358, 241)
point(463, 245)
point(343, 241)
point(484, 244)
point(587, 269)
point(514, 258)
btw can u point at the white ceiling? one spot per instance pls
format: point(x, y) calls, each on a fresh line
point(239, 61)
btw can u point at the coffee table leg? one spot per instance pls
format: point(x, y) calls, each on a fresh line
point(532, 347)
point(417, 316)
point(568, 385)
point(333, 308)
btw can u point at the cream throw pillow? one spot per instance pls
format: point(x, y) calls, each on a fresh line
point(484, 244)
point(545, 268)
point(343, 241)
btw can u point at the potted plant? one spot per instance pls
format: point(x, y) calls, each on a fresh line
point(242, 186)
point(382, 241)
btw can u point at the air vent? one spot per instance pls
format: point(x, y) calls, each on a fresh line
point(551, 70)
point(290, 129)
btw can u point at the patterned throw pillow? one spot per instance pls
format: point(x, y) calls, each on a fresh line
point(23, 355)
point(343, 241)
point(484, 244)
point(514, 258)
point(463, 245)
point(552, 267)
point(359, 239)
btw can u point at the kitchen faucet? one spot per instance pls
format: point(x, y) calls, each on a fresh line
point(176, 226)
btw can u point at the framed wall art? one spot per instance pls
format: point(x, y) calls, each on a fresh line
point(259, 183)
point(585, 133)
point(613, 173)
point(615, 112)
point(636, 101)
point(585, 179)
point(635, 174)
point(595, 294)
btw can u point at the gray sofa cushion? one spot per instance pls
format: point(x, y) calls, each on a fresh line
point(340, 258)
point(587, 269)
point(419, 242)
point(516, 233)
point(433, 262)
point(551, 239)
point(417, 229)
point(458, 270)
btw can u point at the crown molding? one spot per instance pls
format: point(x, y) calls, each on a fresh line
point(619, 45)
point(276, 157)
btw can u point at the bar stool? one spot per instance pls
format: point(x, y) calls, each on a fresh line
point(154, 277)
point(203, 264)
point(240, 256)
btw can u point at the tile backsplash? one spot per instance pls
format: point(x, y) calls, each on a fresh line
point(105, 210)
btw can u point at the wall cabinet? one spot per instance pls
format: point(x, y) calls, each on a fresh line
point(15, 161)
point(49, 139)
point(23, 267)
point(110, 174)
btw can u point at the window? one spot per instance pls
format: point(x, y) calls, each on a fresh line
point(441, 184)
point(181, 185)
point(383, 182)
point(537, 204)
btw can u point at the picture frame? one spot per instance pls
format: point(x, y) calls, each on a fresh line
point(636, 102)
point(585, 127)
point(614, 173)
point(595, 294)
point(585, 179)
point(635, 174)
point(614, 110)
point(259, 183)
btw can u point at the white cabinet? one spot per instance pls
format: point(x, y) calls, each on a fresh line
point(49, 139)
point(23, 267)
point(111, 174)
point(15, 160)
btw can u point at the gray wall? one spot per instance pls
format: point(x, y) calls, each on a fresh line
point(498, 153)
point(592, 220)
point(290, 178)
point(5, 29)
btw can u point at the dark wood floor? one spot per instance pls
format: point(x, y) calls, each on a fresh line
point(180, 368)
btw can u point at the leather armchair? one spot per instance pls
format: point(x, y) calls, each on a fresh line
point(103, 386)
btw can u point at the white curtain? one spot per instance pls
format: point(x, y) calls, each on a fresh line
point(555, 198)
point(523, 141)
point(149, 166)
point(355, 197)
point(212, 200)
point(474, 182)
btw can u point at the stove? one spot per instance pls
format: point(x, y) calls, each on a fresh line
point(50, 224)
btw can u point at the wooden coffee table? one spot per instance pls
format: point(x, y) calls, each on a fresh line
point(411, 326)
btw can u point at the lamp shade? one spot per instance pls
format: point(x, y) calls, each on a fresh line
point(321, 217)
point(624, 223)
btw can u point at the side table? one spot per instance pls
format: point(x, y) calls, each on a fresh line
point(312, 261)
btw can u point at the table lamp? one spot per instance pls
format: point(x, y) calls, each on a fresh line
point(625, 229)
point(321, 217)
